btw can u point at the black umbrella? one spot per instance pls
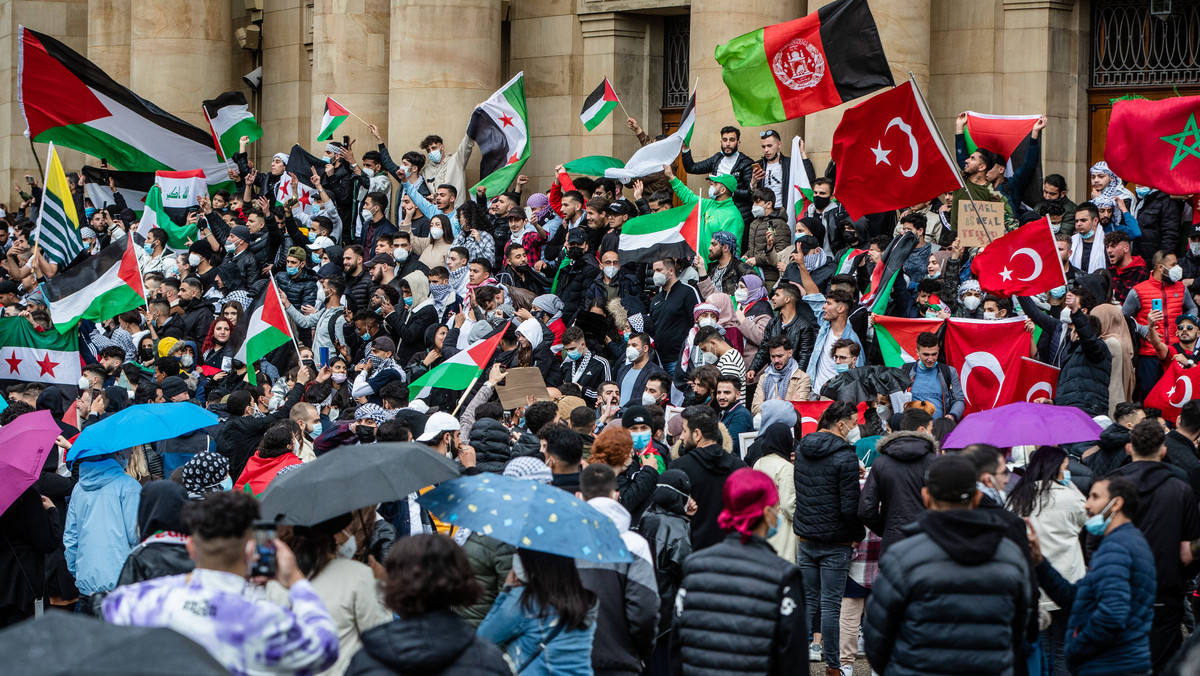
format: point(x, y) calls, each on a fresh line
point(62, 643)
point(353, 477)
point(864, 383)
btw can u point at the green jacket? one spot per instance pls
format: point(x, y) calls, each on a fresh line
point(714, 216)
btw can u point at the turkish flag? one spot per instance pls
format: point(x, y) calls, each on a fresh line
point(1035, 380)
point(1023, 262)
point(985, 353)
point(889, 156)
point(1156, 143)
point(810, 412)
point(1177, 387)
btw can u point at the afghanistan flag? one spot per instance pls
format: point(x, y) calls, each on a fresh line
point(687, 121)
point(598, 105)
point(57, 230)
point(500, 127)
point(673, 233)
point(1156, 143)
point(264, 328)
point(230, 119)
point(458, 372)
point(132, 185)
point(333, 118)
point(809, 64)
point(68, 100)
point(38, 356)
point(897, 337)
point(799, 193)
point(100, 288)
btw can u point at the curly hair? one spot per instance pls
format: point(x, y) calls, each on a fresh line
point(612, 447)
point(209, 343)
point(426, 573)
point(275, 441)
point(221, 515)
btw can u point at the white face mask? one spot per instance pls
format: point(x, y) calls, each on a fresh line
point(611, 271)
point(971, 302)
point(989, 315)
point(632, 354)
point(758, 211)
point(648, 399)
point(367, 214)
point(435, 233)
point(853, 435)
point(1055, 227)
point(349, 548)
point(712, 192)
point(707, 321)
point(1194, 248)
point(193, 260)
point(1175, 274)
point(741, 295)
point(708, 358)
point(400, 255)
point(660, 279)
point(369, 172)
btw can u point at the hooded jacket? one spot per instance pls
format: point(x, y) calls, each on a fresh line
point(1112, 455)
point(707, 467)
point(826, 472)
point(891, 496)
point(409, 327)
point(952, 597)
point(493, 445)
point(1166, 516)
point(491, 560)
point(300, 289)
point(101, 526)
point(199, 314)
point(1083, 381)
point(162, 551)
point(668, 531)
point(434, 643)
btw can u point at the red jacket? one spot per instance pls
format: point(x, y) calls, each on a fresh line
point(260, 472)
point(1172, 296)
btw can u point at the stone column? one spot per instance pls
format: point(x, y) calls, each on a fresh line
point(350, 64)
point(108, 37)
point(180, 53)
point(616, 46)
point(444, 59)
point(283, 100)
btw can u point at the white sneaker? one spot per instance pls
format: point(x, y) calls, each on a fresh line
point(862, 644)
point(847, 670)
point(814, 653)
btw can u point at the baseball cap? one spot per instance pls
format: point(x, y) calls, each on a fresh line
point(298, 252)
point(1191, 318)
point(951, 478)
point(328, 270)
point(437, 424)
point(1195, 231)
point(321, 243)
point(621, 208)
point(516, 212)
point(726, 180)
point(9, 286)
point(381, 259)
point(384, 344)
point(577, 236)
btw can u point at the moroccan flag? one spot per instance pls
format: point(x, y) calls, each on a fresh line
point(897, 337)
point(230, 119)
point(593, 165)
point(100, 288)
point(809, 413)
point(598, 105)
point(687, 121)
point(850, 259)
point(1035, 380)
point(1023, 262)
point(68, 100)
point(673, 233)
point(156, 215)
point(799, 193)
point(1175, 389)
point(333, 118)
point(1156, 143)
point(889, 155)
point(1000, 134)
point(499, 126)
point(985, 352)
point(264, 328)
point(458, 372)
point(791, 69)
point(38, 356)
point(889, 267)
point(132, 185)
point(57, 232)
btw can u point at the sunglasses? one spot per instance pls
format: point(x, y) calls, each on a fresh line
point(769, 132)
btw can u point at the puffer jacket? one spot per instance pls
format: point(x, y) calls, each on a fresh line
point(358, 290)
point(668, 530)
point(891, 496)
point(1083, 381)
point(1111, 455)
point(952, 597)
point(826, 471)
point(197, 317)
point(1158, 216)
point(492, 442)
point(574, 282)
point(490, 560)
point(300, 289)
point(434, 643)
point(101, 527)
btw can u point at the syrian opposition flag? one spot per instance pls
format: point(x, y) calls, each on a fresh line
point(132, 185)
point(799, 193)
point(458, 372)
point(850, 259)
point(674, 232)
point(230, 119)
point(897, 337)
point(1176, 388)
point(1035, 380)
point(985, 352)
point(38, 356)
point(598, 105)
point(889, 155)
point(284, 191)
point(792, 69)
point(100, 288)
point(889, 267)
point(649, 159)
point(687, 121)
point(1154, 143)
point(333, 118)
point(500, 127)
point(1023, 262)
point(809, 413)
point(68, 100)
point(264, 328)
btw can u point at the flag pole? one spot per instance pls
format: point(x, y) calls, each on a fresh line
point(35, 156)
point(279, 300)
point(37, 232)
point(619, 102)
point(467, 391)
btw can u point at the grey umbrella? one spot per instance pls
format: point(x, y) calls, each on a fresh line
point(353, 477)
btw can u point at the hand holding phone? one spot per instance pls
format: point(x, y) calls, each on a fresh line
point(1156, 304)
point(265, 563)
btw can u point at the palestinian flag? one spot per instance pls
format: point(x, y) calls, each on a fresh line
point(792, 69)
point(897, 337)
point(889, 267)
point(57, 232)
point(593, 165)
point(799, 193)
point(68, 100)
point(333, 118)
point(38, 356)
point(164, 210)
point(264, 328)
point(687, 121)
point(100, 288)
point(458, 372)
point(230, 119)
point(500, 127)
point(674, 233)
point(598, 105)
point(1154, 143)
point(1008, 136)
point(132, 185)
point(260, 472)
point(850, 259)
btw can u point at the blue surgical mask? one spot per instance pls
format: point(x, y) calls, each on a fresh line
point(293, 271)
point(1097, 524)
point(574, 355)
point(226, 483)
point(316, 430)
point(1066, 480)
point(1058, 291)
point(841, 368)
point(1142, 191)
point(435, 156)
point(641, 440)
point(408, 301)
point(148, 247)
point(364, 336)
point(1088, 235)
point(772, 530)
point(316, 259)
point(312, 236)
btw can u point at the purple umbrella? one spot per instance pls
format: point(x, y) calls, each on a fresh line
point(1024, 424)
point(25, 443)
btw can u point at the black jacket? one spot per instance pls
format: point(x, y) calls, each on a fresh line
point(238, 271)
point(668, 531)
point(707, 467)
point(891, 496)
point(672, 313)
point(826, 472)
point(237, 438)
point(1167, 516)
point(573, 284)
point(801, 335)
point(160, 509)
point(1111, 455)
point(150, 560)
point(196, 318)
point(1181, 453)
point(29, 534)
point(359, 289)
point(743, 171)
point(1158, 217)
point(1083, 381)
point(952, 597)
point(636, 485)
point(494, 447)
point(434, 643)
point(627, 621)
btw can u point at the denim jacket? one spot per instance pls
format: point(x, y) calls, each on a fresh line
point(521, 633)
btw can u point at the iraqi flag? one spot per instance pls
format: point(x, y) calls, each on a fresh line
point(1155, 143)
point(458, 372)
point(499, 126)
point(68, 100)
point(889, 155)
point(97, 289)
point(1023, 262)
point(818, 61)
point(897, 337)
point(985, 352)
point(38, 356)
point(1035, 380)
point(167, 204)
point(598, 105)
point(132, 185)
point(809, 413)
point(799, 193)
point(264, 329)
point(674, 233)
point(335, 114)
point(1177, 387)
point(230, 119)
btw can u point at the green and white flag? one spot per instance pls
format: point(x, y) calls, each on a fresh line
point(230, 119)
point(499, 126)
point(687, 121)
point(799, 193)
point(155, 215)
point(264, 328)
point(458, 372)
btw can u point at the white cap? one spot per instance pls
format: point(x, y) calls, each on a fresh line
point(418, 406)
point(321, 243)
point(437, 424)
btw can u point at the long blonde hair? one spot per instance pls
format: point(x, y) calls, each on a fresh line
point(138, 468)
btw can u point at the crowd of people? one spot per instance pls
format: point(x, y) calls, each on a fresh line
point(761, 542)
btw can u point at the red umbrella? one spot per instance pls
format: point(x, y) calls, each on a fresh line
point(25, 443)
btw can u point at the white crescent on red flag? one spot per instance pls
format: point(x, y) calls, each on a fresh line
point(1035, 380)
point(985, 353)
point(1023, 262)
point(809, 413)
point(1177, 387)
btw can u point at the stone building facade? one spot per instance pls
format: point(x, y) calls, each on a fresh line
point(416, 67)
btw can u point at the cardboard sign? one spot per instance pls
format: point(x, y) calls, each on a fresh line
point(519, 384)
point(970, 232)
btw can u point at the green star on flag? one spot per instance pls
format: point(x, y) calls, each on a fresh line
point(1182, 150)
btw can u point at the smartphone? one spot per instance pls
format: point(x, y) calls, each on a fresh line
point(29, 179)
point(264, 550)
point(508, 417)
point(1156, 304)
point(227, 364)
point(346, 142)
point(323, 353)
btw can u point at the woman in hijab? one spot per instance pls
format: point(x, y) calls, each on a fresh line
point(163, 550)
point(1115, 333)
point(432, 250)
point(753, 312)
point(726, 321)
point(776, 445)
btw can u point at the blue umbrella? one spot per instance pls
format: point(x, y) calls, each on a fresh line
point(140, 424)
point(528, 515)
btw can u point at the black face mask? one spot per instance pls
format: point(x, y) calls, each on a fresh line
point(146, 353)
point(820, 202)
point(575, 252)
point(365, 434)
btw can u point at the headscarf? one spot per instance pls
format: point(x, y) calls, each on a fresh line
point(701, 308)
point(1114, 187)
point(969, 285)
point(204, 473)
point(778, 411)
point(724, 305)
point(1112, 325)
point(550, 304)
point(777, 439)
point(747, 493)
point(532, 330)
point(941, 255)
point(118, 399)
point(540, 204)
point(373, 411)
point(529, 468)
point(673, 490)
point(754, 289)
point(160, 508)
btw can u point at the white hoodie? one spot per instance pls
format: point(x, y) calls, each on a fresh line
point(636, 544)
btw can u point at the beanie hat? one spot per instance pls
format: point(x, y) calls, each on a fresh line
point(747, 493)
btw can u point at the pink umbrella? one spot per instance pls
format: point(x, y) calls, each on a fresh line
point(25, 443)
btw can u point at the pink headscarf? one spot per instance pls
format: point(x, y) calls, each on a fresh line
point(725, 304)
point(747, 493)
